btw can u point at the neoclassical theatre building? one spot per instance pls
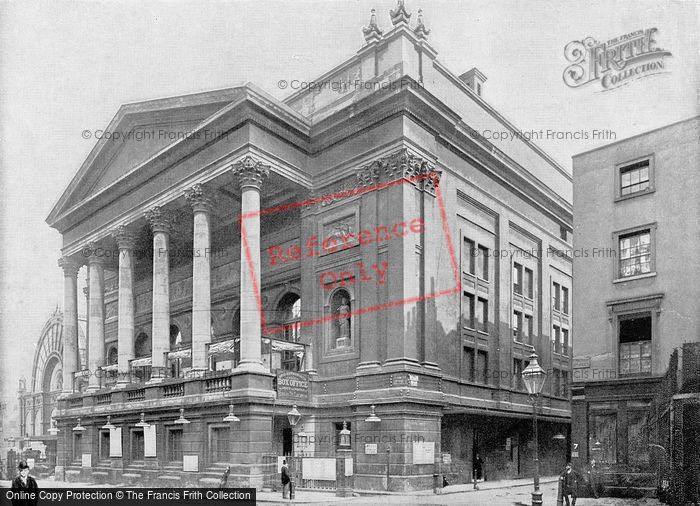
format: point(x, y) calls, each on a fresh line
point(362, 243)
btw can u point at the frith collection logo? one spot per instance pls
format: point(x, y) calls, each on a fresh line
point(614, 63)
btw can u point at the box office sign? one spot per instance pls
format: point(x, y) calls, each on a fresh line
point(292, 385)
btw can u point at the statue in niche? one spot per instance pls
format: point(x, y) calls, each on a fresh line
point(343, 312)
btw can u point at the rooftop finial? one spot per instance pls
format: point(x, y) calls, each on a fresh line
point(372, 32)
point(420, 30)
point(400, 14)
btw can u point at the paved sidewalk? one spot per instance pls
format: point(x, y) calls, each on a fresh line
point(419, 496)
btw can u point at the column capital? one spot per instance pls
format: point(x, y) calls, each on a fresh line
point(70, 267)
point(92, 258)
point(159, 219)
point(251, 172)
point(198, 198)
point(124, 237)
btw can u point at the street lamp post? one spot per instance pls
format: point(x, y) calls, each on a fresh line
point(534, 377)
point(293, 417)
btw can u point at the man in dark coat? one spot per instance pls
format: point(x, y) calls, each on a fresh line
point(25, 485)
point(570, 478)
point(479, 467)
point(285, 479)
point(593, 479)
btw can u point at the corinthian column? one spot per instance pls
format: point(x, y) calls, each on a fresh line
point(70, 322)
point(160, 333)
point(96, 319)
point(201, 277)
point(251, 175)
point(125, 321)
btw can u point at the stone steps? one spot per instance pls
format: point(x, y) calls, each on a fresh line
point(132, 478)
point(209, 482)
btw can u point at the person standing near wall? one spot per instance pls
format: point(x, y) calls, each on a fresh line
point(593, 478)
point(25, 484)
point(570, 478)
point(285, 479)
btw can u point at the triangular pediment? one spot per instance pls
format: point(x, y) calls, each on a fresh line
point(138, 132)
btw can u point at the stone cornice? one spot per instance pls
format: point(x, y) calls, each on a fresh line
point(417, 104)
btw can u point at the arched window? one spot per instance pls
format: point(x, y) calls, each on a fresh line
point(112, 356)
point(341, 328)
point(175, 337)
point(289, 311)
point(142, 345)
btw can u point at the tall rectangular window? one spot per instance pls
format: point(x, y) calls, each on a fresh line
point(103, 445)
point(517, 325)
point(469, 255)
point(469, 310)
point(635, 253)
point(634, 178)
point(635, 344)
point(483, 262)
point(469, 364)
point(137, 445)
point(527, 329)
point(564, 300)
point(527, 283)
point(219, 442)
point(565, 341)
point(482, 367)
point(517, 278)
point(174, 445)
point(556, 383)
point(518, 374)
point(77, 446)
point(556, 296)
point(482, 315)
point(556, 338)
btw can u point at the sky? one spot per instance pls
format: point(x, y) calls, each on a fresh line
point(66, 67)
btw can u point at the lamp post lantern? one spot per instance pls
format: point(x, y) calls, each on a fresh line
point(534, 377)
point(293, 417)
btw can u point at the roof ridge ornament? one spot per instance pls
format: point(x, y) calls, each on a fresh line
point(372, 32)
point(400, 15)
point(420, 30)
